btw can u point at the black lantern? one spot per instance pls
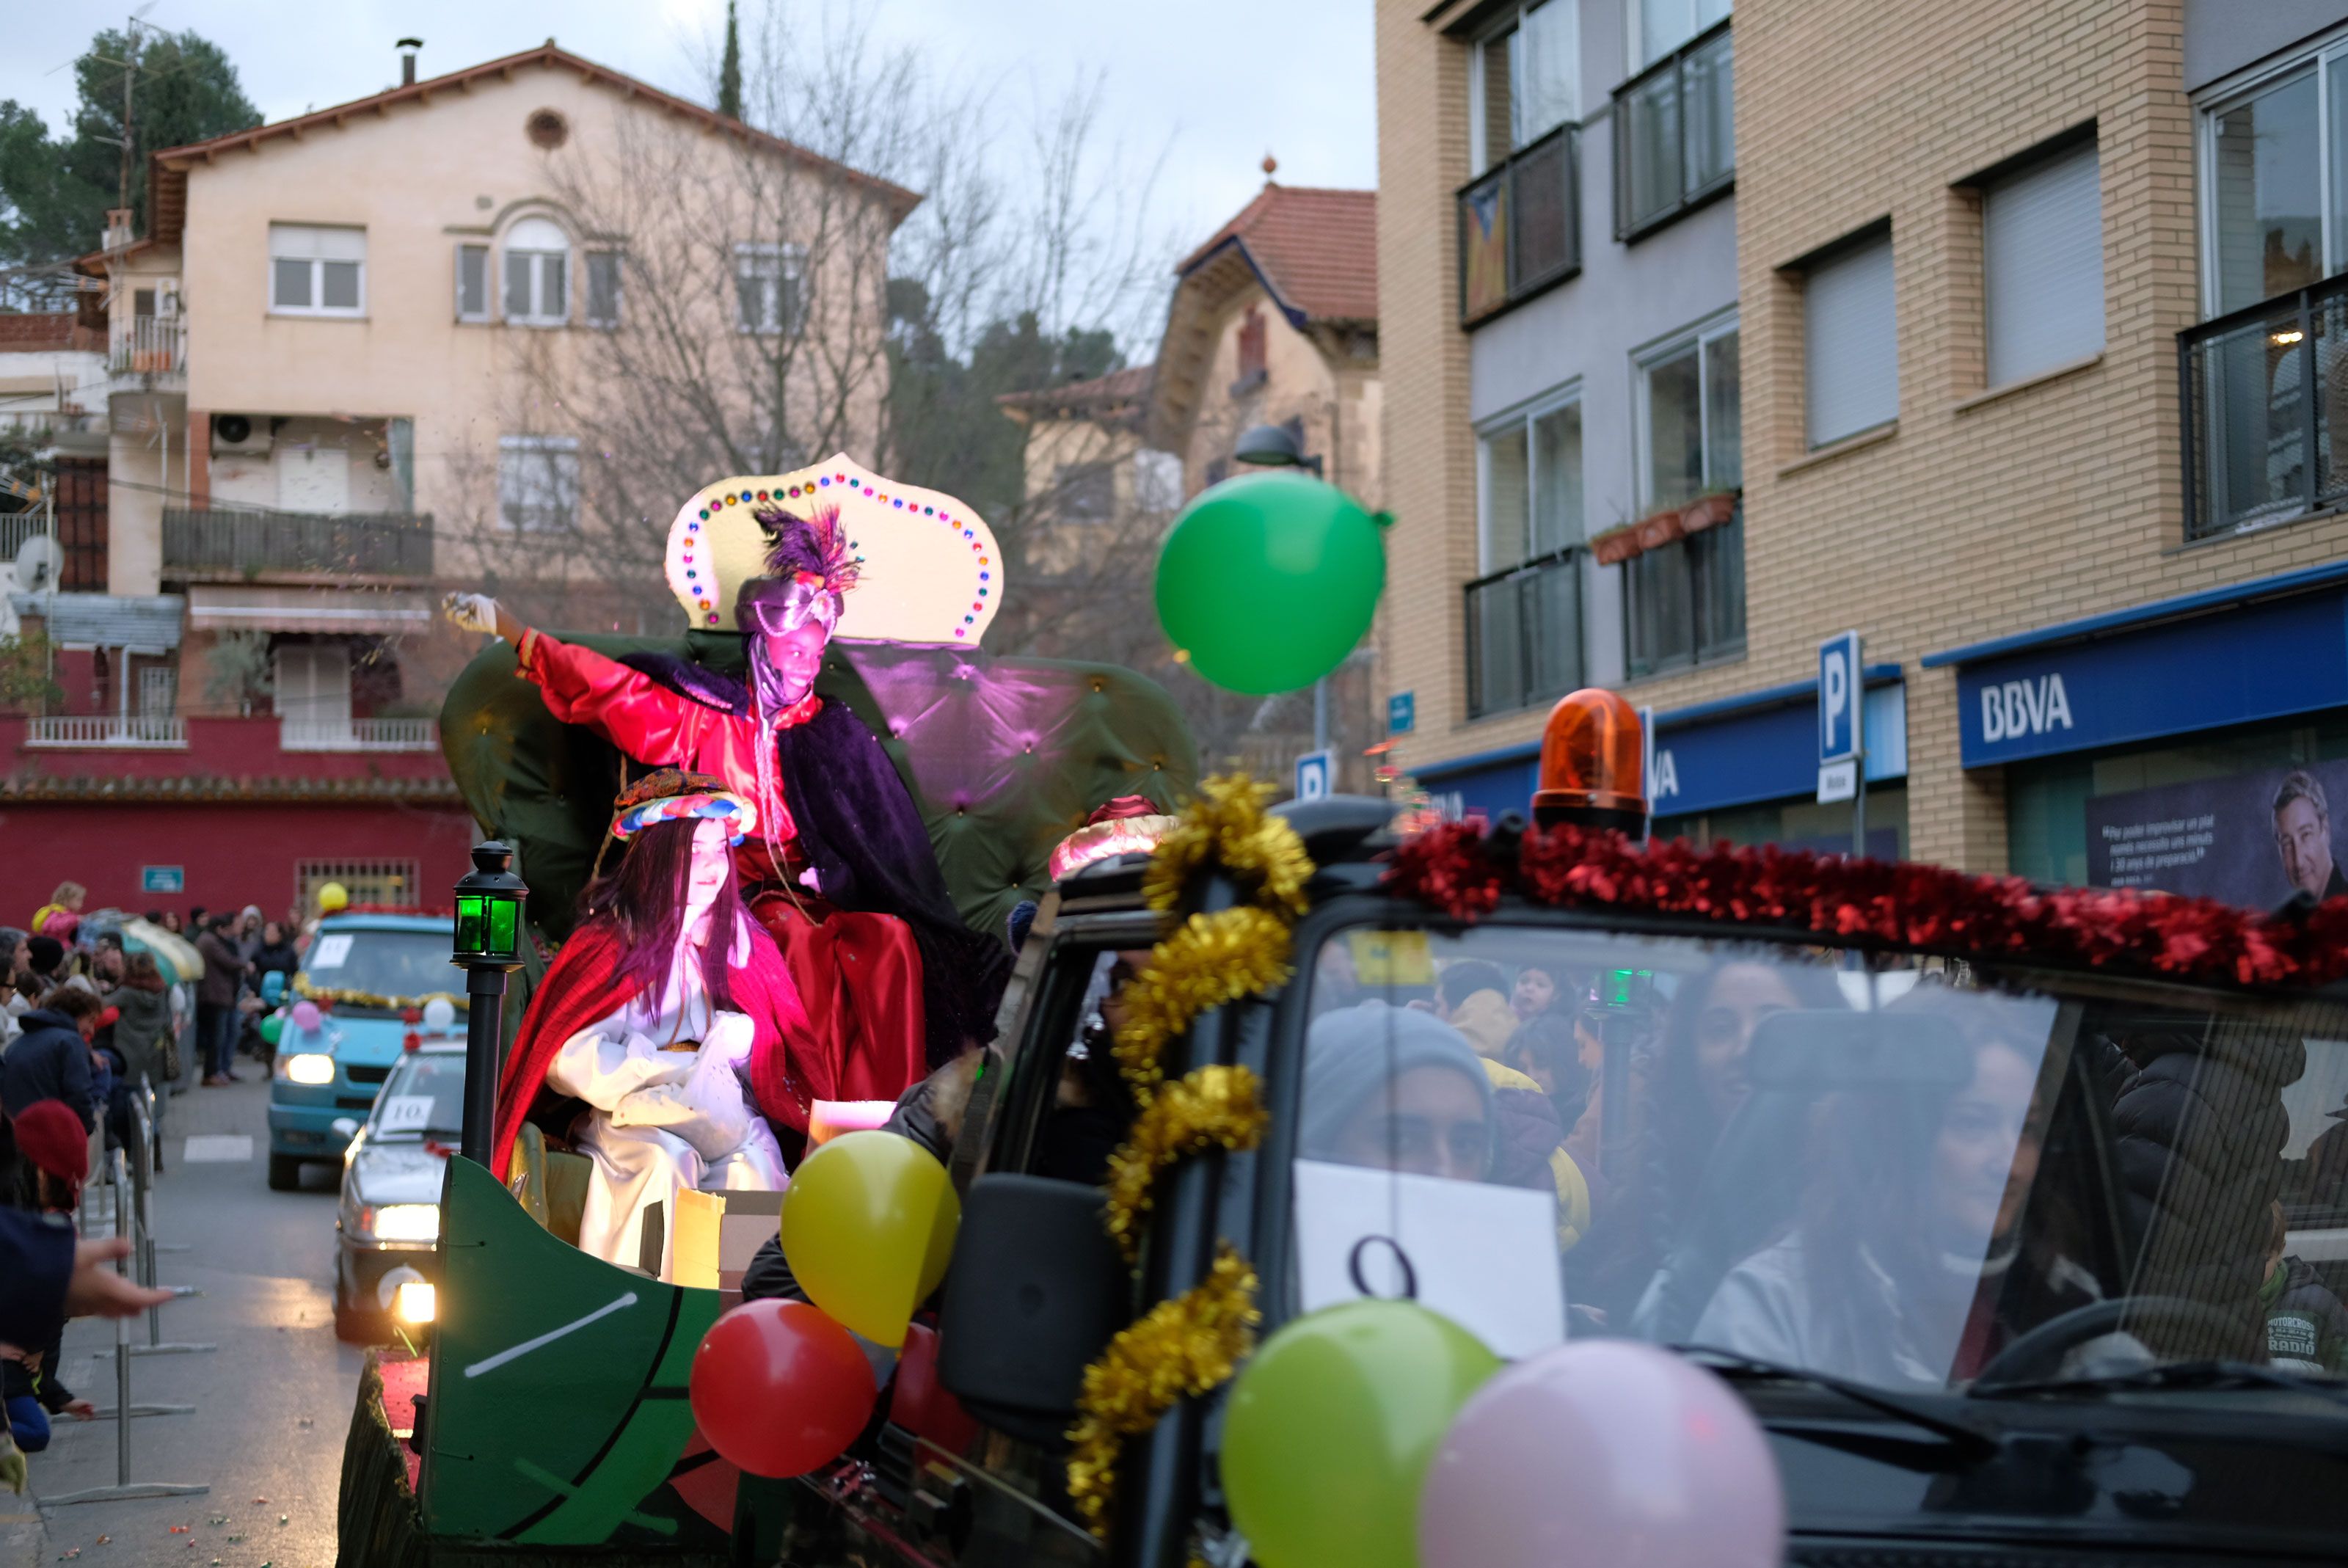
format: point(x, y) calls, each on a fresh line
point(489, 910)
point(490, 900)
point(1275, 446)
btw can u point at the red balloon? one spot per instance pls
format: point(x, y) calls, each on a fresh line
point(780, 1389)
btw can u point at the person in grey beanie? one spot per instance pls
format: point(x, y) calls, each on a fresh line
point(1395, 1089)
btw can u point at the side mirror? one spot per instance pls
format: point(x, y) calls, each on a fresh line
point(1035, 1292)
point(344, 1128)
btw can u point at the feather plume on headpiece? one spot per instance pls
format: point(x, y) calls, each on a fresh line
point(816, 547)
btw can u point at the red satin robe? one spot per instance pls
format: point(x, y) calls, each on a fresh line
point(858, 973)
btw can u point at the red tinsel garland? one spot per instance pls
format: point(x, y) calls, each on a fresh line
point(1450, 867)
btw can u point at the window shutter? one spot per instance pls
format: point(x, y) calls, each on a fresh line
point(1851, 352)
point(2042, 257)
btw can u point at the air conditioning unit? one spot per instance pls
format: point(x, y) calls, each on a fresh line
point(240, 436)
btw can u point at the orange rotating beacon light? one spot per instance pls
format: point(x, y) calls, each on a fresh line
point(1593, 769)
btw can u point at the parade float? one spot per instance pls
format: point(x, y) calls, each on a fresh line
point(1343, 1188)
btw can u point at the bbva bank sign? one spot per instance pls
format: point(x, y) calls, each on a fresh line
point(2013, 709)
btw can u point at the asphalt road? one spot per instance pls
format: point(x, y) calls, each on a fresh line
point(272, 1404)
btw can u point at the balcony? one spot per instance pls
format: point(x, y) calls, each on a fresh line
point(107, 732)
point(1686, 600)
point(1675, 135)
point(248, 544)
point(358, 735)
point(1519, 226)
point(2258, 448)
point(1524, 634)
point(147, 346)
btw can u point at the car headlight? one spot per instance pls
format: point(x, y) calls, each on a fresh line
point(415, 1302)
point(402, 1223)
point(306, 1068)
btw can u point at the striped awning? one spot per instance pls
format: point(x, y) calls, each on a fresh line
point(237, 607)
point(144, 624)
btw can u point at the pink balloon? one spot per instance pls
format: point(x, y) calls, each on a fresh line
point(1609, 1453)
point(305, 1014)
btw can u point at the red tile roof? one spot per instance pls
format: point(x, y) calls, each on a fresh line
point(1099, 394)
point(168, 169)
point(1317, 249)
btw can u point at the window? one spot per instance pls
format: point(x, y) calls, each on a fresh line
point(472, 283)
point(538, 483)
point(767, 280)
point(1691, 441)
point(1086, 492)
point(1523, 79)
point(1675, 133)
point(1664, 25)
point(312, 692)
point(369, 882)
point(1157, 481)
point(1850, 346)
point(1254, 350)
point(1684, 599)
point(1524, 616)
point(158, 691)
point(603, 288)
point(315, 271)
point(2271, 225)
point(2042, 265)
point(538, 274)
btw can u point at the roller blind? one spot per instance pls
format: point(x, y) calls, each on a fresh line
point(317, 242)
point(1850, 344)
point(2042, 257)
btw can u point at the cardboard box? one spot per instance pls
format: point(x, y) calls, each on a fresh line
point(718, 1233)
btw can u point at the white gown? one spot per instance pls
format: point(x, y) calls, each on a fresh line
point(663, 1119)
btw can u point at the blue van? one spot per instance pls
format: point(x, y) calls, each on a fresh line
point(375, 973)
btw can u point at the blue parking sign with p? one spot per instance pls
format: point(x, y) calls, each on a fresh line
point(1840, 698)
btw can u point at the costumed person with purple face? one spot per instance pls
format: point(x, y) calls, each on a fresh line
point(839, 869)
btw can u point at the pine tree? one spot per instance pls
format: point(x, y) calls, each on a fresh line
point(729, 71)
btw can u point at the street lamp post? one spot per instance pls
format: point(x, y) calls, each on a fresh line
point(490, 900)
point(1278, 446)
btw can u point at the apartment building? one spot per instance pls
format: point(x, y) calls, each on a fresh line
point(364, 355)
point(2036, 306)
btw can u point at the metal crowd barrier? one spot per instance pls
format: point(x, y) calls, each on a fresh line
point(128, 1188)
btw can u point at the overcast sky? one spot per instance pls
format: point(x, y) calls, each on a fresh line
point(1214, 83)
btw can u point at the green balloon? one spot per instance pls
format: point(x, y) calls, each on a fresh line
point(1330, 1429)
point(1268, 582)
point(271, 1027)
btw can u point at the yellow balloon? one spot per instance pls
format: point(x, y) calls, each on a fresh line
point(869, 1223)
point(333, 896)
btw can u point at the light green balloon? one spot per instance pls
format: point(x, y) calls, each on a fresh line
point(1332, 1426)
point(1269, 580)
point(271, 1027)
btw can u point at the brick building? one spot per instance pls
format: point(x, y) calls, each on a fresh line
point(2036, 392)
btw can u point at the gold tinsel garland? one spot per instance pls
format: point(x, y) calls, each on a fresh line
point(345, 998)
point(1209, 960)
point(1180, 1349)
point(1227, 824)
point(1187, 1346)
point(1211, 1106)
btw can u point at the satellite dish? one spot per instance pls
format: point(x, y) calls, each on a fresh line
point(40, 561)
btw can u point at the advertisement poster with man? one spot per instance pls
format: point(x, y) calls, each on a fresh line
point(2253, 839)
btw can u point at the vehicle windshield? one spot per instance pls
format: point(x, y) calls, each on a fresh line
point(376, 961)
point(1913, 1175)
point(424, 1097)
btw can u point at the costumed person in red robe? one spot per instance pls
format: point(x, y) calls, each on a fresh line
point(841, 869)
point(667, 1042)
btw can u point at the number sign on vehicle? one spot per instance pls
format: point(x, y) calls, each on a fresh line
point(407, 1113)
point(331, 950)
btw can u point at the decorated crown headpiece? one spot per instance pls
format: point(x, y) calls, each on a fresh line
point(671, 795)
point(936, 560)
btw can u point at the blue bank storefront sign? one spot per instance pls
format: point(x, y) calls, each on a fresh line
point(1761, 745)
point(2084, 686)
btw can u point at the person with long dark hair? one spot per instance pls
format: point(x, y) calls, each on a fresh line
point(667, 1041)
